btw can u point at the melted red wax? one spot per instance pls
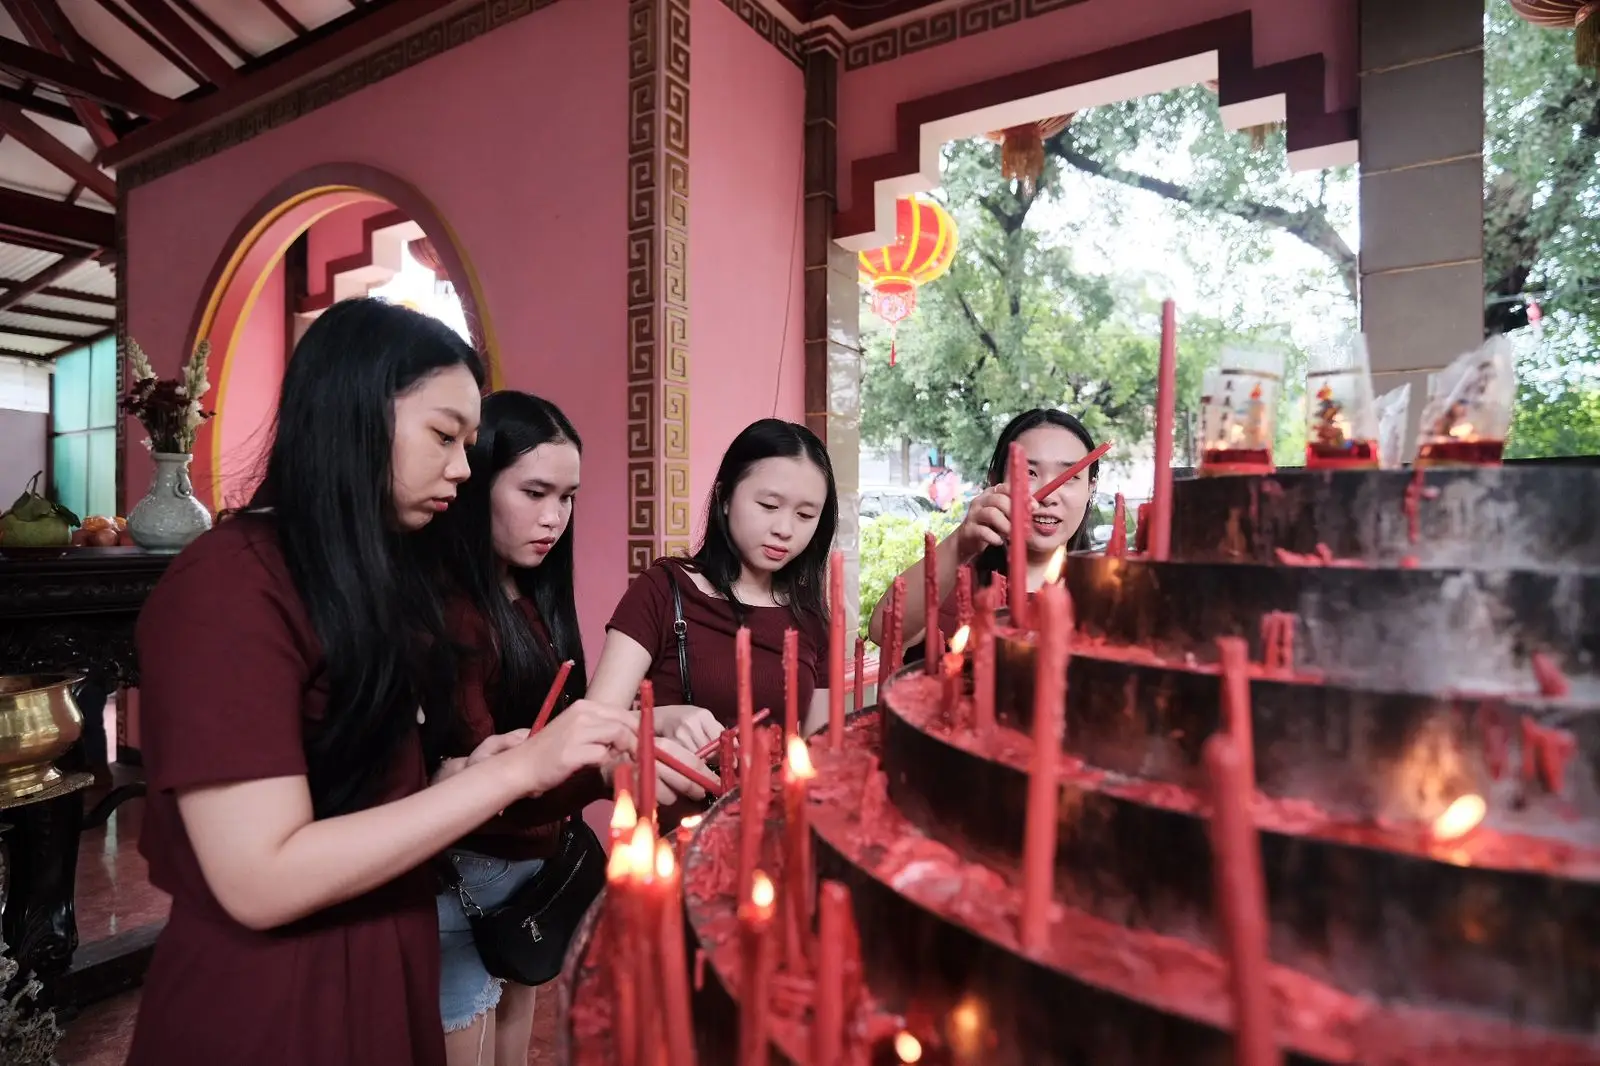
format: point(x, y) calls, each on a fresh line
point(1552, 682)
point(1545, 752)
point(920, 704)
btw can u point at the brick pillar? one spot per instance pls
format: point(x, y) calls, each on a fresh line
point(1421, 188)
point(832, 303)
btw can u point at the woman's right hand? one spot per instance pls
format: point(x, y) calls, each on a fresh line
point(693, 727)
point(987, 522)
point(585, 734)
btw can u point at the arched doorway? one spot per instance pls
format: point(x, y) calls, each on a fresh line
point(254, 253)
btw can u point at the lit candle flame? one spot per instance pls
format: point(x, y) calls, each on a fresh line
point(642, 849)
point(666, 865)
point(1463, 431)
point(691, 823)
point(966, 1027)
point(762, 894)
point(620, 865)
point(624, 816)
point(958, 643)
point(798, 762)
point(1460, 818)
point(1057, 563)
point(908, 1047)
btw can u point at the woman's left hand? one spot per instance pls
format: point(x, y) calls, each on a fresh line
point(693, 727)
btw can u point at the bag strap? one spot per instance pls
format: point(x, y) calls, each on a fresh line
point(452, 879)
point(680, 630)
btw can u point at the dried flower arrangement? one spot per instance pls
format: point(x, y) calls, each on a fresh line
point(168, 408)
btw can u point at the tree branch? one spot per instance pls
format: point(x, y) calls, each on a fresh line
point(990, 346)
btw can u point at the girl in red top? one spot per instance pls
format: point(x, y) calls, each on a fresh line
point(762, 563)
point(507, 545)
point(287, 658)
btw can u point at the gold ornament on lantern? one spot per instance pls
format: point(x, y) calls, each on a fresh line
point(1022, 148)
point(1581, 16)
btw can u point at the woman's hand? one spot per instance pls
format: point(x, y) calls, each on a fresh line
point(495, 744)
point(693, 727)
point(987, 522)
point(585, 734)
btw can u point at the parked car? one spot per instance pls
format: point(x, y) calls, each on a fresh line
point(900, 502)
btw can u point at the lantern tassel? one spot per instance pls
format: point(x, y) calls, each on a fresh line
point(1587, 31)
point(891, 347)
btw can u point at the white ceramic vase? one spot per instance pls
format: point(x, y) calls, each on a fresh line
point(169, 516)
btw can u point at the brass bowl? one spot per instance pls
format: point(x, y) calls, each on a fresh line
point(39, 721)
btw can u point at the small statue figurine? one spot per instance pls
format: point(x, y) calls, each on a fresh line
point(1255, 420)
point(1329, 430)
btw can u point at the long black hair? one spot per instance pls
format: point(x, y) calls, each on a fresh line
point(993, 559)
point(802, 582)
point(328, 492)
point(522, 667)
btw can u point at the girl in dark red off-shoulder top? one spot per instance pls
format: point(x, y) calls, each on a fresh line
point(762, 563)
point(507, 546)
point(287, 659)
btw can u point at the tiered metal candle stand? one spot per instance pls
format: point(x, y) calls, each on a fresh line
point(1431, 637)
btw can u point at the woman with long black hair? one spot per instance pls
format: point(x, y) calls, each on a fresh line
point(762, 563)
point(1053, 441)
point(507, 544)
point(288, 658)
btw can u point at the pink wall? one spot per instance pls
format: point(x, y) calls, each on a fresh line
point(1284, 29)
point(746, 255)
point(252, 400)
point(335, 236)
point(485, 131)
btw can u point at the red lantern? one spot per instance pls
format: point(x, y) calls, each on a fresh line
point(1580, 15)
point(923, 250)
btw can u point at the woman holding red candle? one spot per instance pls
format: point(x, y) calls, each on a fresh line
point(1053, 441)
point(507, 548)
point(762, 564)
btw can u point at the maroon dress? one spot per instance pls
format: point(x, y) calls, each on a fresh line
point(646, 615)
point(231, 671)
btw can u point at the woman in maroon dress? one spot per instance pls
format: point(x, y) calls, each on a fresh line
point(507, 545)
point(762, 563)
point(287, 658)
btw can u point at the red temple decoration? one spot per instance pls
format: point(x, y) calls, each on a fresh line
point(1580, 15)
point(923, 250)
point(1022, 148)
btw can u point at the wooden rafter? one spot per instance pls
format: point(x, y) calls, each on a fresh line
point(65, 294)
point(47, 28)
point(73, 80)
point(209, 24)
point(39, 281)
point(38, 105)
point(295, 26)
point(145, 34)
point(186, 39)
point(49, 314)
point(44, 144)
point(23, 213)
point(39, 334)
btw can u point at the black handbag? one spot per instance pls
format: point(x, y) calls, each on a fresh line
point(680, 629)
point(525, 940)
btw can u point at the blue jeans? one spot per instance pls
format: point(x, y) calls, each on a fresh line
point(466, 989)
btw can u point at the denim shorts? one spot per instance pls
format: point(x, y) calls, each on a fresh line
point(466, 990)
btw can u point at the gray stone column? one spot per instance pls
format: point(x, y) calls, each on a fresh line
point(1421, 188)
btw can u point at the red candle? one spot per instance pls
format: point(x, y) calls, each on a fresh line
point(624, 815)
point(836, 624)
point(1017, 545)
point(827, 1026)
point(1119, 528)
point(687, 829)
point(954, 660)
point(678, 1023)
point(932, 638)
point(552, 697)
point(755, 922)
point(645, 921)
point(861, 673)
point(741, 666)
point(897, 633)
point(1071, 472)
point(727, 761)
point(753, 792)
point(1166, 396)
point(1044, 781)
point(791, 683)
point(1241, 906)
point(1235, 657)
point(646, 752)
point(1141, 528)
point(964, 595)
point(797, 775)
point(619, 872)
point(983, 662)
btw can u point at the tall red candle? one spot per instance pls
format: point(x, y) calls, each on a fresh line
point(1017, 544)
point(836, 624)
point(797, 775)
point(897, 633)
point(953, 662)
point(1235, 661)
point(932, 638)
point(828, 1015)
point(1166, 397)
point(754, 789)
point(983, 661)
point(646, 752)
point(645, 919)
point(1044, 779)
point(755, 938)
point(1241, 905)
point(1141, 528)
point(551, 698)
point(678, 1023)
point(791, 683)
point(619, 875)
point(727, 761)
point(964, 595)
point(861, 673)
point(1118, 545)
point(741, 666)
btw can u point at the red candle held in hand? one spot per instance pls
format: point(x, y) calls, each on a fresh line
point(797, 775)
point(1241, 905)
point(552, 697)
point(755, 936)
point(1235, 669)
point(1118, 545)
point(727, 761)
point(836, 624)
point(1017, 544)
point(861, 673)
point(1166, 397)
point(646, 752)
point(932, 638)
point(677, 1021)
point(983, 662)
point(624, 815)
point(1044, 778)
point(791, 683)
point(963, 595)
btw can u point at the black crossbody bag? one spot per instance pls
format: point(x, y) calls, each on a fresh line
point(680, 630)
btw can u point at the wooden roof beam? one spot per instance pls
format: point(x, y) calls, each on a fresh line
point(84, 226)
point(62, 294)
point(69, 78)
point(43, 143)
point(39, 281)
point(47, 28)
point(186, 39)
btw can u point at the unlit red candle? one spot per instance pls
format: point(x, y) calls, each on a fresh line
point(1018, 485)
point(552, 697)
point(836, 624)
point(1166, 398)
point(983, 662)
point(1118, 545)
point(828, 1015)
point(677, 1020)
point(1044, 778)
point(1235, 669)
point(963, 595)
point(1241, 905)
point(741, 668)
point(791, 683)
point(755, 936)
point(897, 632)
point(933, 639)
point(728, 760)
point(1071, 472)
point(861, 673)
point(646, 751)
point(754, 788)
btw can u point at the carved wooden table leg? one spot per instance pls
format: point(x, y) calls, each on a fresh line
point(42, 859)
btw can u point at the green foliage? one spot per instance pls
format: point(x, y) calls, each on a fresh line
point(890, 545)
